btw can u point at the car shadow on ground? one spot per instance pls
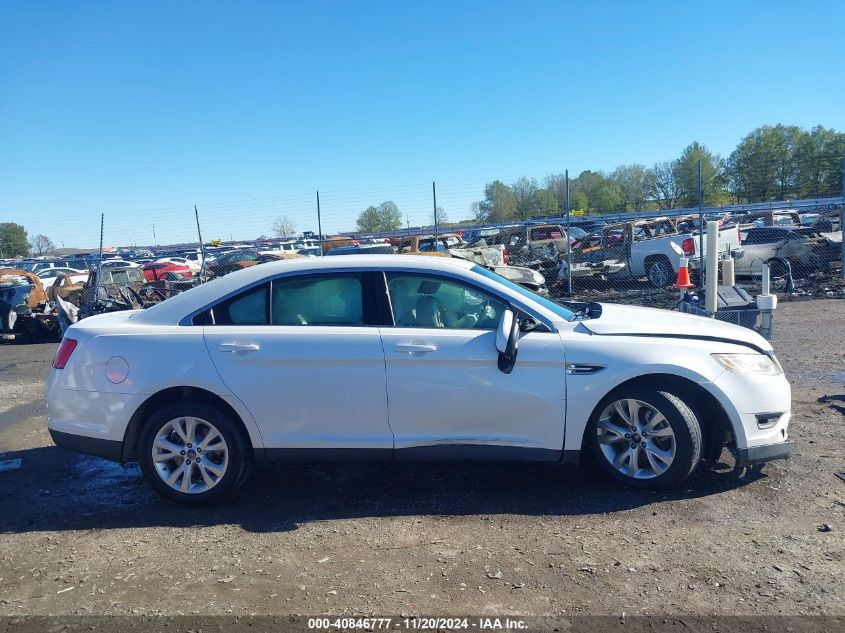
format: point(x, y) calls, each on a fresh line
point(831, 402)
point(55, 489)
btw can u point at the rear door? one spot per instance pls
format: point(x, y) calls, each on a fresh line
point(302, 356)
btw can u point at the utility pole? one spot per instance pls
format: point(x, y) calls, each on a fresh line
point(434, 196)
point(319, 225)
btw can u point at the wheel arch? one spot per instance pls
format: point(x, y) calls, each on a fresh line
point(129, 451)
point(716, 425)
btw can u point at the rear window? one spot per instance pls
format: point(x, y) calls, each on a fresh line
point(546, 233)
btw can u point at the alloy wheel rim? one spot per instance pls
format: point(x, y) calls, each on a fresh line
point(190, 454)
point(636, 439)
point(659, 275)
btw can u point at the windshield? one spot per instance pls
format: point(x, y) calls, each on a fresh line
point(559, 310)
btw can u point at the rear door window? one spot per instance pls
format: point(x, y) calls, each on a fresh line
point(318, 300)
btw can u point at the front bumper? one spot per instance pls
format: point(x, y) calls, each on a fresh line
point(765, 453)
point(750, 400)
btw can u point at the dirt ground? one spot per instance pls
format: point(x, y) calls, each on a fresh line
point(80, 535)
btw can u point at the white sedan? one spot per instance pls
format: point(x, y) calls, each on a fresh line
point(396, 357)
point(49, 275)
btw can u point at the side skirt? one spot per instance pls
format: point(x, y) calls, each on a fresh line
point(439, 452)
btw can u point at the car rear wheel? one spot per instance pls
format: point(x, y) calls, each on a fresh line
point(646, 438)
point(660, 272)
point(192, 453)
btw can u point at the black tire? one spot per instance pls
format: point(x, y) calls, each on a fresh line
point(684, 425)
point(660, 272)
point(239, 463)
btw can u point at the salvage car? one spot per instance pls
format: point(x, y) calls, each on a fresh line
point(165, 269)
point(648, 247)
point(493, 258)
point(804, 251)
point(48, 276)
point(376, 357)
point(537, 246)
point(25, 309)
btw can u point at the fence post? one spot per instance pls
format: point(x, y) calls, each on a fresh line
point(842, 218)
point(99, 263)
point(568, 239)
point(700, 227)
point(319, 225)
point(434, 197)
point(202, 245)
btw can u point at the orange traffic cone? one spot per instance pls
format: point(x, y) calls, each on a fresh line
point(683, 275)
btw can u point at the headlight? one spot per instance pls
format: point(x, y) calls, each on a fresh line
point(751, 363)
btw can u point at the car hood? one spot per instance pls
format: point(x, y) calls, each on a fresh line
point(623, 320)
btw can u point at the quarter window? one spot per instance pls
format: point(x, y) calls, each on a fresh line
point(427, 301)
point(247, 308)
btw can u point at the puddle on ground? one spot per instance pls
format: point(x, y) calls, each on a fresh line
point(109, 482)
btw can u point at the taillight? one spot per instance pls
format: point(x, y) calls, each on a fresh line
point(688, 246)
point(505, 256)
point(63, 353)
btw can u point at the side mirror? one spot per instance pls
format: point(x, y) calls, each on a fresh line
point(507, 339)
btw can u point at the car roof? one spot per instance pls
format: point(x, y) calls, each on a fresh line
point(177, 307)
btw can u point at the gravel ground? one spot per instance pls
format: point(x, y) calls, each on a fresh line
point(82, 535)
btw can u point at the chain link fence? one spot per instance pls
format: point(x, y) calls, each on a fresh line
point(631, 258)
point(626, 258)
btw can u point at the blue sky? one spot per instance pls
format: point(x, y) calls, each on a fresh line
point(139, 110)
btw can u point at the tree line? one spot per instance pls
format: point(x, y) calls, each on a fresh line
point(773, 162)
point(15, 242)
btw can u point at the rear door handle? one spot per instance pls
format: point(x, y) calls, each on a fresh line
point(234, 348)
point(415, 348)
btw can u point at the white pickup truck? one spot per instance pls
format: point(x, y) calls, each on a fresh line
point(646, 247)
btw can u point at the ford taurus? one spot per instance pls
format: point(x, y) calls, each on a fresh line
point(396, 357)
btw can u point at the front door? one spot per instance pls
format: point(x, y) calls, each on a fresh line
point(299, 353)
point(447, 397)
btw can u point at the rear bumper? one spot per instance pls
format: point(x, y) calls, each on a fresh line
point(765, 453)
point(110, 449)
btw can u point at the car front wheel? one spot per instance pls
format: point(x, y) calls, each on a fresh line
point(646, 438)
point(193, 454)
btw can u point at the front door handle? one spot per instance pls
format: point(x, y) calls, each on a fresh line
point(237, 347)
point(415, 348)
